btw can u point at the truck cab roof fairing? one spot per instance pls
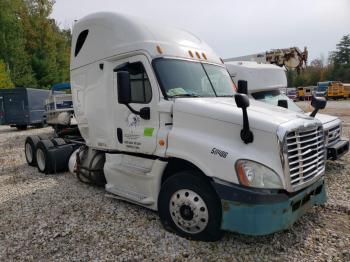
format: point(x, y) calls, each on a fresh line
point(112, 34)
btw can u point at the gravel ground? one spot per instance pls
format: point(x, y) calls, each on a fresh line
point(55, 217)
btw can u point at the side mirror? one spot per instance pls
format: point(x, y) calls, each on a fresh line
point(242, 87)
point(282, 103)
point(242, 101)
point(145, 113)
point(124, 88)
point(124, 95)
point(317, 103)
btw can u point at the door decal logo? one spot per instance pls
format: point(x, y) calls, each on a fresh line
point(133, 122)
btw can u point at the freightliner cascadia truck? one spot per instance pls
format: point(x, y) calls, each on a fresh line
point(163, 127)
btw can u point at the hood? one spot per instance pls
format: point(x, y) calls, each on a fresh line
point(261, 115)
point(326, 118)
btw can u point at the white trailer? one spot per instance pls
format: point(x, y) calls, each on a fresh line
point(265, 82)
point(165, 129)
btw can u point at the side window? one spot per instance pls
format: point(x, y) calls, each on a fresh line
point(141, 91)
point(80, 41)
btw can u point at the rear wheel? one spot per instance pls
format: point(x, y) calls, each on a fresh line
point(189, 206)
point(42, 157)
point(30, 148)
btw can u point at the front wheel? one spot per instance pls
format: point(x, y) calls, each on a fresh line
point(189, 206)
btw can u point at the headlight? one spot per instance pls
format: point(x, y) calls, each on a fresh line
point(253, 174)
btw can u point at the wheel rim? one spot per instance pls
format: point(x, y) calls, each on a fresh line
point(29, 153)
point(188, 211)
point(40, 159)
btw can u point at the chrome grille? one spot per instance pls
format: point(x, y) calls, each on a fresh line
point(306, 154)
point(333, 134)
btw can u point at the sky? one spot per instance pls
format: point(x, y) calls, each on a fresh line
point(233, 28)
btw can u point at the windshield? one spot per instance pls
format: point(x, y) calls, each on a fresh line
point(322, 88)
point(181, 78)
point(272, 97)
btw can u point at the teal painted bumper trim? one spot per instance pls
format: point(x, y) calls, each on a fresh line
point(264, 219)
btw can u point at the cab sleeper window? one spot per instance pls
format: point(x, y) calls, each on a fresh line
point(141, 91)
point(80, 41)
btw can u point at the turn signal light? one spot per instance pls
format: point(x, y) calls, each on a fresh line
point(241, 174)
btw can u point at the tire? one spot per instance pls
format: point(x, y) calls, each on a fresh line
point(44, 163)
point(21, 127)
point(188, 198)
point(30, 148)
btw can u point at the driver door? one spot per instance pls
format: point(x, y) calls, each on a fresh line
point(133, 133)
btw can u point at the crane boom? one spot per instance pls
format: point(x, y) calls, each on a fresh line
point(291, 58)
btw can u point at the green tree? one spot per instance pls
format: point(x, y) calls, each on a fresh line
point(340, 60)
point(12, 43)
point(5, 80)
point(47, 45)
point(342, 55)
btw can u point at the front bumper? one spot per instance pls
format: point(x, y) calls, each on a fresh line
point(337, 150)
point(255, 212)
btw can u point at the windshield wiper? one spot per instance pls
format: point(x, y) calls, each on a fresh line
point(185, 95)
point(225, 96)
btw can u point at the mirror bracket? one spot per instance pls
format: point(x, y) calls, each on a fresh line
point(242, 102)
point(144, 113)
point(246, 134)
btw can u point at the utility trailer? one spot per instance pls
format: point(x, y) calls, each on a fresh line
point(161, 126)
point(59, 110)
point(22, 107)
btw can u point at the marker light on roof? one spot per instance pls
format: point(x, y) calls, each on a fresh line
point(160, 51)
point(190, 53)
point(198, 56)
point(204, 56)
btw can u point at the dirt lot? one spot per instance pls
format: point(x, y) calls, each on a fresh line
point(55, 217)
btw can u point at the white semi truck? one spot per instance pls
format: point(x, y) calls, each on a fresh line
point(164, 128)
point(265, 82)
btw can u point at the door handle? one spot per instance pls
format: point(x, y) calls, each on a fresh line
point(120, 135)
